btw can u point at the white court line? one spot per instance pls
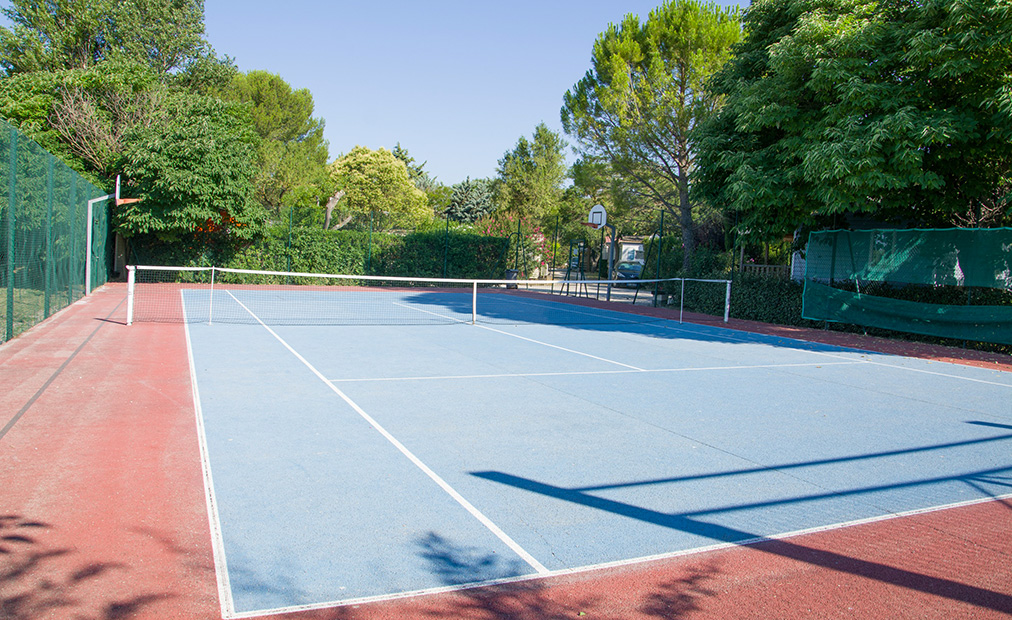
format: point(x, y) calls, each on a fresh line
point(477, 514)
point(579, 373)
point(214, 521)
point(626, 563)
point(601, 359)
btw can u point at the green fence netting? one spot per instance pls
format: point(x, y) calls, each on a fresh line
point(43, 229)
point(954, 283)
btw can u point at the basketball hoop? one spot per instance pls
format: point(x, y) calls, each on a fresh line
point(591, 225)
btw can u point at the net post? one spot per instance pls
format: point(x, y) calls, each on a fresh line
point(474, 302)
point(727, 302)
point(131, 280)
point(681, 301)
point(210, 303)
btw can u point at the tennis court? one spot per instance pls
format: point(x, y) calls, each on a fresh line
point(349, 463)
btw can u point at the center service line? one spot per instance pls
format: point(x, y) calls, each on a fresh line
point(477, 514)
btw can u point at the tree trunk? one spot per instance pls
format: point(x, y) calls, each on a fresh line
point(330, 207)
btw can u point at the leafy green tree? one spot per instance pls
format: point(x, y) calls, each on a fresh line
point(293, 153)
point(83, 115)
point(416, 172)
point(377, 183)
point(636, 108)
point(193, 168)
point(900, 110)
point(76, 34)
point(530, 176)
point(471, 200)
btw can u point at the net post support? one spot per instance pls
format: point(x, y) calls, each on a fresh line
point(131, 280)
point(210, 302)
point(681, 301)
point(727, 302)
point(474, 302)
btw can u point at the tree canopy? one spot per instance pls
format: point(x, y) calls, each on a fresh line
point(77, 34)
point(377, 183)
point(898, 110)
point(530, 175)
point(635, 110)
point(471, 200)
point(293, 153)
point(193, 170)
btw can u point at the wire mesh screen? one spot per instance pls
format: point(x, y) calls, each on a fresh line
point(43, 230)
point(954, 283)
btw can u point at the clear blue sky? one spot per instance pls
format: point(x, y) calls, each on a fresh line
point(456, 82)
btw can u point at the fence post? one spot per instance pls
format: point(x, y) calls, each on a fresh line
point(660, 250)
point(49, 240)
point(446, 243)
point(727, 302)
point(73, 256)
point(11, 201)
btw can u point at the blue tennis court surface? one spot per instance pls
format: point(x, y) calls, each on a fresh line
point(357, 462)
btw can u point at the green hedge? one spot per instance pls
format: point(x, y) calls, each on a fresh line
point(312, 250)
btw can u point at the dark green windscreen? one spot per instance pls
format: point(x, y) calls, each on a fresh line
point(953, 283)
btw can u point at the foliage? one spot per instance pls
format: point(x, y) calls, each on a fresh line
point(424, 254)
point(416, 172)
point(83, 115)
point(193, 170)
point(293, 153)
point(901, 110)
point(77, 34)
point(376, 182)
point(471, 200)
point(634, 112)
point(529, 249)
point(530, 176)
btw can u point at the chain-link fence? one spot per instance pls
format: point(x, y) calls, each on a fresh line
point(43, 234)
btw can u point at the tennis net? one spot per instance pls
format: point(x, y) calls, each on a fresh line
point(223, 295)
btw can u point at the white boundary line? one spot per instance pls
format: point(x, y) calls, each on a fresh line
point(624, 563)
point(477, 514)
point(555, 346)
point(214, 521)
point(580, 373)
point(601, 359)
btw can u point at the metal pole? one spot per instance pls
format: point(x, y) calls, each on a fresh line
point(727, 302)
point(681, 302)
point(516, 255)
point(611, 258)
point(210, 303)
point(49, 240)
point(660, 248)
point(555, 248)
point(474, 302)
point(446, 243)
point(11, 203)
point(131, 278)
point(291, 217)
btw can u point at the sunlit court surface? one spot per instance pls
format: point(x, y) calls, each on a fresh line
point(597, 463)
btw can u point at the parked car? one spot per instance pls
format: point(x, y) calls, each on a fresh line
point(628, 270)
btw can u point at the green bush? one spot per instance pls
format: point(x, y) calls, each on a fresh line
point(419, 254)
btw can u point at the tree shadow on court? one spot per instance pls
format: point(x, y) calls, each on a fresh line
point(37, 579)
point(545, 599)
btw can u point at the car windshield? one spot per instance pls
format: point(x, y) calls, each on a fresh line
point(628, 266)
